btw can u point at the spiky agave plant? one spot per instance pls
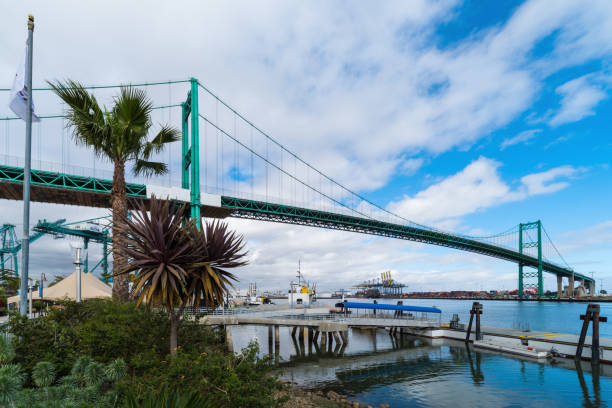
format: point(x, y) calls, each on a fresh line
point(43, 374)
point(221, 249)
point(162, 249)
point(12, 378)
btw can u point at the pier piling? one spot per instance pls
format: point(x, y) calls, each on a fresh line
point(591, 315)
point(337, 338)
point(477, 311)
point(323, 340)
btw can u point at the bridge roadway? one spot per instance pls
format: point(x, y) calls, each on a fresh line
point(58, 188)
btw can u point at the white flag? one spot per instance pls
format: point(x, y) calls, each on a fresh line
point(19, 97)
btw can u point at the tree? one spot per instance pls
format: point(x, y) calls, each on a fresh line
point(120, 135)
point(178, 262)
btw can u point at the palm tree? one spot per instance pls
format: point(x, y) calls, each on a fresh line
point(177, 263)
point(120, 135)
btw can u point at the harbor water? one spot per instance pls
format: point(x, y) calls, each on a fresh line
point(417, 372)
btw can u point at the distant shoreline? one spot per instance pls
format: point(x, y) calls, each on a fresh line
point(564, 300)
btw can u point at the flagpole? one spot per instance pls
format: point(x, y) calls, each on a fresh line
point(25, 240)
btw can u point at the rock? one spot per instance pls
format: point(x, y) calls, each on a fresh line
point(355, 405)
point(333, 396)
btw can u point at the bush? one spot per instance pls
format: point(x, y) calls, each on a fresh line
point(102, 329)
point(100, 342)
point(86, 386)
point(228, 380)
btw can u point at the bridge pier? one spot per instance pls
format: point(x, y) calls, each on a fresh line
point(276, 340)
point(559, 285)
point(570, 286)
point(270, 340)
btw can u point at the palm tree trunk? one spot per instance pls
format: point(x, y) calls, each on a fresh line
point(119, 205)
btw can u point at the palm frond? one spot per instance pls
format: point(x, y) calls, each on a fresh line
point(149, 168)
point(165, 135)
point(131, 120)
point(87, 121)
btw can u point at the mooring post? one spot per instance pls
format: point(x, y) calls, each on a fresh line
point(478, 312)
point(585, 326)
point(595, 337)
point(592, 314)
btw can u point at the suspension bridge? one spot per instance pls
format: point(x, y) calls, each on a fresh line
point(229, 167)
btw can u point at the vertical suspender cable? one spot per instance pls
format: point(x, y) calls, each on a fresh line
point(169, 147)
point(236, 167)
point(217, 144)
point(252, 172)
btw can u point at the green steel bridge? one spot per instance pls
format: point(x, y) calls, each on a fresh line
point(291, 195)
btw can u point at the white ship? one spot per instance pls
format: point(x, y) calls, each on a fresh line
point(301, 294)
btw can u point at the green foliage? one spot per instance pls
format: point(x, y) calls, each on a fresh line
point(228, 380)
point(103, 351)
point(103, 329)
point(7, 350)
point(168, 399)
point(119, 134)
point(86, 386)
point(116, 370)
point(43, 374)
point(12, 378)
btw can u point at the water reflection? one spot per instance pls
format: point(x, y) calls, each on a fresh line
point(477, 376)
point(595, 402)
point(412, 371)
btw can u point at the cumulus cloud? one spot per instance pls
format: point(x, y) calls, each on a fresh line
point(363, 93)
point(478, 186)
point(366, 85)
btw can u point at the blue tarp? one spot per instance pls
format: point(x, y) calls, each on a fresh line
point(383, 306)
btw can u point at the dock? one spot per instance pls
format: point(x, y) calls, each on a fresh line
point(320, 327)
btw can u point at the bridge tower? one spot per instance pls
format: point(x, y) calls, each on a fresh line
point(190, 162)
point(528, 240)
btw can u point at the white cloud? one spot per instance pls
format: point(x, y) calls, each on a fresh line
point(478, 186)
point(522, 137)
point(352, 90)
point(578, 98)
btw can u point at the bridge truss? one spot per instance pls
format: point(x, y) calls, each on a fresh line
point(238, 170)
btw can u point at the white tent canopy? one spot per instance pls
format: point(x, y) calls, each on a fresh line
point(91, 287)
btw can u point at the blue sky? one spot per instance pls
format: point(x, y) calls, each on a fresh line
point(465, 115)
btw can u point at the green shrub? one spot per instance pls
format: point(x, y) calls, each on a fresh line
point(228, 380)
point(169, 399)
point(122, 349)
point(43, 374)
point(86, 386)
point(102, 329)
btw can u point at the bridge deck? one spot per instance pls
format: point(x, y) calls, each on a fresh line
point(50, 187)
